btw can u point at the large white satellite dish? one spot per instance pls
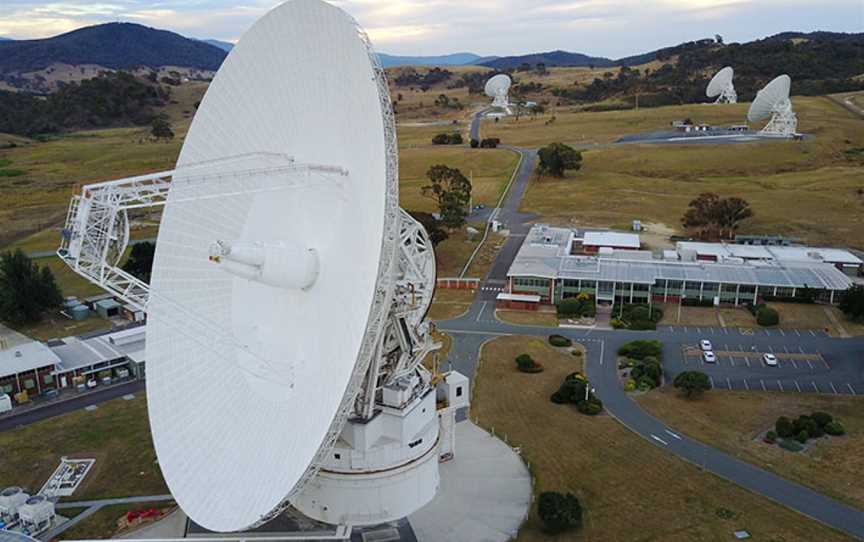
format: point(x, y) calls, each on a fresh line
point(721, 87)
point(497, 88)
point(773, 101)
point(289, 291)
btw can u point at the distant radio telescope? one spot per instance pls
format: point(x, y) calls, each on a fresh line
point(721, 87)
point(773, 101)
point(498, 88)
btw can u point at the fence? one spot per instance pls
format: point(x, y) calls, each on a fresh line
point(456, 283)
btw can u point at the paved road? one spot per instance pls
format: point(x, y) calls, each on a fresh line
point(57, 408)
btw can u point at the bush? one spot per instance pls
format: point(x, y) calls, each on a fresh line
point(822, 418)
point(692, 383)
point(559, 512)
point(581, 305)
point(630, 385)
point(802, 436)
point(640, 316)
point(447, 139)
point(474, 143)
point(641, 349)
point(783, 426)
point(791, 446)
point(835, 428)
point(490, 143)
point(617, 324)
point(559, 341)
point(524, 360)
point(808, 424)
point(766, 316)
point(770, 437)
point(591, 407)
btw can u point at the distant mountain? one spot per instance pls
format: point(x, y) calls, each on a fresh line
point(112, 45)
point(224, 45)
point(551, 58)
point(5, 39)
point(454, 59)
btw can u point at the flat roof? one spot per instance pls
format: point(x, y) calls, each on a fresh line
point(554, 262)
point(766, 252)
point(528, 298)
point(611, 239)
point(26, 357)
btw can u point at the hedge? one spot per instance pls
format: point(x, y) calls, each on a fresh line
point(559, 341)
point(835, 429)
point(640, 349)
point(766, 316)
point(791, 446)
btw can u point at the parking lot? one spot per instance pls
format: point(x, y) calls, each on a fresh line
point(743, 331)
point(742, 368)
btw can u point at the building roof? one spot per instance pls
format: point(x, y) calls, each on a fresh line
point(779, 253)
point(548, 261)
point(78, 352)
point(527, 298)
point(611, 239)
point(26, 357)
point(107, 303)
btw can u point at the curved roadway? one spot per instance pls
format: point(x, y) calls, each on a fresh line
point(479, 325)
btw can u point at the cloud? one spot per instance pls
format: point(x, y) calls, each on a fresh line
point(598, 27)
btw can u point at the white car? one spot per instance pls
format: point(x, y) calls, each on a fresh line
point(709, 357)
point(705, 345)
point(770, 360)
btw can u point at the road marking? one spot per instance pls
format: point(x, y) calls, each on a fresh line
point(785, 349)
point(781, 332)
point(797, 333)
point(793, 363)
point(748, 361)
point(767, 333)
point(801, 349)
point(833, 388)
point(660, 440)
point(746, 385)
point(828, 367)
point(811, 333)
point(810, 364)
point(851, 389)
point(698, 330)
point(732, 361)
point(711, 380)
point(728, 383)
point(685, 329)
point(673, 434)
point(815, 387)
point(797, 386)
point(482, 308)
point(725, 331)
point(770, 349)
point(763, 384)
point(780, 385)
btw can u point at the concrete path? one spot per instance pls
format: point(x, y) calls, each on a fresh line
point(485, 492)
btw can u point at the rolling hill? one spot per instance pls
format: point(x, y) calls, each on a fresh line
point(454, 59)
point(112, 45)
point(551, 58)
point(224, 45)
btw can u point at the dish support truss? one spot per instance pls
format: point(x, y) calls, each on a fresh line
point(727, 95)
point(783, 123)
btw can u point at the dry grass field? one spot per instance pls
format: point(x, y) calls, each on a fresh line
point(117, 435)
point(528, 318)
point(809, 189)
point(732, 421)
point(629, 489)
point(450, 303)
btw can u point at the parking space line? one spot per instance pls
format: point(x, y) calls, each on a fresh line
point(746, 385)
point(711, 380)
point(770, 349)
point(785, 349)
point(685, 329)
point(793, 363)
point(780, 385)
point(833, 388)
point(748, 361)
point(732, 361)
point(811, 333)
point(728, 383)
point(781, 332)
point(797, 386)
point(726, 331)
point(810, 364)
point(698, 330)
point(797, 333)
point(763, 384)
point(767, 333)
point(851, 389)
point(815, 387)
point(828, 367)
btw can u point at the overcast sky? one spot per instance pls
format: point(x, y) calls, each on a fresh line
point(611, 28)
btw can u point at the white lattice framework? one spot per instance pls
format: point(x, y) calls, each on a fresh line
point(784, 122)
point(727, 95)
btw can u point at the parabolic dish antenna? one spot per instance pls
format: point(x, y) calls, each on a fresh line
point(721, 87)
point(773, 101)
point(497, 88)
point(295, 277)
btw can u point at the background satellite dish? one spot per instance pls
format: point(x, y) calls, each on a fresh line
point(721, 87)
point(297, 277)
point(773, 101)
point(497, 88)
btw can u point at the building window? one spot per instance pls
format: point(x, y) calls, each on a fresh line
point(6, 389)
point(458, 391)
point(337, 456)
point(29, 384)
point(47, 379)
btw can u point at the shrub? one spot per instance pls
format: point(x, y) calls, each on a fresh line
point(802, 436)
point(640, 316)
point(766, 316)
point(630, 385)
point(835, 428)
point(474, 143)
point(641, 349)
point(692, 383)
point(617, 324)
point(791, 446)
point(524, 360)
point(581, 305)
point(808, 424)
point(558, 398)
point(591, 407)
point(559, 341)
point(559, 512)
point(490, 143)
point(822, 418)
point(646, 384)
point(447, 139)
point(783, 426)
point(770, 437)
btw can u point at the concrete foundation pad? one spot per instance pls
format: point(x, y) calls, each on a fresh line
point(485, 492)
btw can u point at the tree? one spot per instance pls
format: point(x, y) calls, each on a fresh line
point(783, 426)
point(714, 216)
point(452, 191)
point(692, 383)
point(852, 303)
point(161, 128)
point(140, 262)
point(559, 512)
point(557, 158)
point(26, 290)
point(432, 226)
